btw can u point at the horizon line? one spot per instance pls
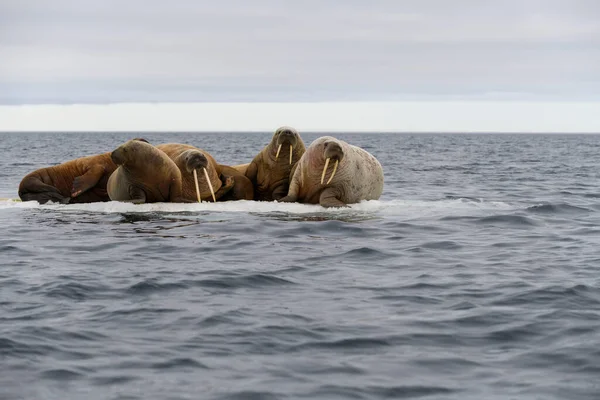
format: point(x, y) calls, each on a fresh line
point(324, 131)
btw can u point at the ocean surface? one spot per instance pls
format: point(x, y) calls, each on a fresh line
point(476, 275)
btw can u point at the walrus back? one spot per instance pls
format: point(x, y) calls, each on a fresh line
point(365, 176)
point(54, 183)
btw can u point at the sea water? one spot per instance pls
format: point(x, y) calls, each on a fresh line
point(476, 275)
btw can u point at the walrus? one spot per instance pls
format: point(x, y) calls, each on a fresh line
point(203, 178)
point(81, 180)
point(241, 167)
point(144, 174)
point(356, 175)
point(270, 170)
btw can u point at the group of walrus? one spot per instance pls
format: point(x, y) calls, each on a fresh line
point(329, 172)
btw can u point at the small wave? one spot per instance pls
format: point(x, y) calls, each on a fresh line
point(114, 380)
point(409, 299)
point(152, 286)
point(365, 253)
point(251, 395)
point(350, 344)
point(61, 374)
point(442, 245)
point(507, 219)
point(574, 296)
point(248, 281)
point(177, 363)
point(557, 208)
point(384, 392)
point(68, 290)
point(18, 349)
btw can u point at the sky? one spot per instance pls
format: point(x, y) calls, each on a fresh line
point(407, 60)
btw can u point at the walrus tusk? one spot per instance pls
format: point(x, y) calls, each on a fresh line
point(210, 185)
point(278, 150)
point(324, 170)
point(334, 169)
point(291, 148)
point(197, 188)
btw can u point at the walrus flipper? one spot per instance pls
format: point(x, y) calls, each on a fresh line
point(45, 197)
point(280, 191)
point(329, 198)
point(87, 181)
point(32, 188)
point(228, 183)
point(290, 198)
point(136, 195)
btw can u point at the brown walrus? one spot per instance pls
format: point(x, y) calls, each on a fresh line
point(241, 167)
point(144, 174)
point(82, 180)
point(215, 181)
point(357, 175)
point(270, 170)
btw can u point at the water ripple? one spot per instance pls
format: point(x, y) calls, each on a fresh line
point(474, 276)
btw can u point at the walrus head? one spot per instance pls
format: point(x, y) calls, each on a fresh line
point(126, 152)
point(119, 155)
point(194, 160)
point(332, 150)
point(287, 136)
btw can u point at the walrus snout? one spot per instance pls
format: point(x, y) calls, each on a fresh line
point(333, 151)
point(195, 160)
point(288, 136)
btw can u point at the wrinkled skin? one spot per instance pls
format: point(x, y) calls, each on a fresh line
point(228, 183)
point(144, 174)
point(82, 180)
point(359, 175)
point(270, 174)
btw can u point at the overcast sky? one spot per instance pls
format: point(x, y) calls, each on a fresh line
point(76, 51)
point(159, 51)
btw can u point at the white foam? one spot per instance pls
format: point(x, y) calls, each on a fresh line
point(405, 207)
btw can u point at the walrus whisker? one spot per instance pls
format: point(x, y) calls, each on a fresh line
point(197, 187)
point(334, 169)
point(277, 155)
point(291, 149)
point(210, 185)
point(324, 170)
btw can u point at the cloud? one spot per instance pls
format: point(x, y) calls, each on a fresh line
point(276, 50)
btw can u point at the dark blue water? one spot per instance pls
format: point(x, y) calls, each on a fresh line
point(475, 276)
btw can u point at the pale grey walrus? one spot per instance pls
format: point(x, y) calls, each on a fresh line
point(270, 170)
point(144, 174)
point(333, 173)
